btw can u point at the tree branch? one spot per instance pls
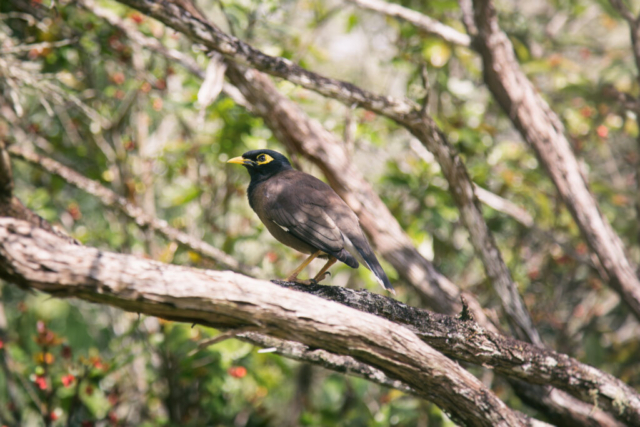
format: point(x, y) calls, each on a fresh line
point(343, 364)
point(424, 22)
point(110, 198)
point(467, 341)
point(406, 112)
point(543, 130)
point(624, 11)
point(35, 258)
point(309, 138)
point(505, 206)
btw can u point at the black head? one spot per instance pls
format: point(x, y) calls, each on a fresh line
point(262, 164)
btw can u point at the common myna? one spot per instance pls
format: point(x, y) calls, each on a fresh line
point(306, 214)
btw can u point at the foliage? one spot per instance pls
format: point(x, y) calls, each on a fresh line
point(137, 128)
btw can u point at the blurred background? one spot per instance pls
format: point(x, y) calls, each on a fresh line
point(74, 88)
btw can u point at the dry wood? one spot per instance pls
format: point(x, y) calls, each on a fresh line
point(543, 130)
point(36, 258)
point(110, 198)
point(404, 111)
point(467, 341)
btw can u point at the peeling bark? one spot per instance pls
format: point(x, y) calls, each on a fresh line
point(404, 111)
point(35, 258)
point(543, 131)
point(137, 214)
point(467, 341)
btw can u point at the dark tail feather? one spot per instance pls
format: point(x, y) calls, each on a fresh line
point(362, 246)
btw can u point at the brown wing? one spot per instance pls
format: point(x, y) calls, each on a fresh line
point(310, 210)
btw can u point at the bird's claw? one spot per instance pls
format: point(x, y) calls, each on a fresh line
point(316, 280)
point(325, 275)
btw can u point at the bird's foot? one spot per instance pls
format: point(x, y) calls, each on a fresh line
point(313, 281)
point(319, 278)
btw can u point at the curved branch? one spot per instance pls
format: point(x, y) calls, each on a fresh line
point(343, 364)
point(404, 111)
point(467, 341)
point(38, 259)
point(543, 130)
point(421, 21)
point(110, 198)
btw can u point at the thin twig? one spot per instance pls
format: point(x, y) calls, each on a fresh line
point(420, 20)
point(37, 46)
point(219, 338)
point(624, 11)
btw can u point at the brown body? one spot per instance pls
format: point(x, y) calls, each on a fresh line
point(295, 203)
point(306, 214)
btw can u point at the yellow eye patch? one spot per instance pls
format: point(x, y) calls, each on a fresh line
point(263, 159)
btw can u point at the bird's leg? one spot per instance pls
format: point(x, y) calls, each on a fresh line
point(320, 276)
point(293, 277)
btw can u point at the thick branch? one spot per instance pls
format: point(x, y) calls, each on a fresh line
point(344, 364)
point(406, 112)
point(309, 138)
point(467, 341)
point(36, 258)
point(110, 198)
point(543, 130)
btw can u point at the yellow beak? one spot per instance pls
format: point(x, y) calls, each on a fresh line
point(239, 161)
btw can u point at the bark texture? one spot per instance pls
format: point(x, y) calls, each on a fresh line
point(543, 130)
point(405, 112)
point(111, 199)
point(466, 341)
point(35, 258)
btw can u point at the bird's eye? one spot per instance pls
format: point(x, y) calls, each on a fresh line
point(261, 158)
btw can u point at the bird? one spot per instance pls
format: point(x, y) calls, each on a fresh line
point(304, 213)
